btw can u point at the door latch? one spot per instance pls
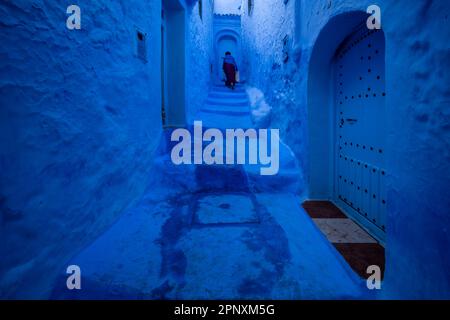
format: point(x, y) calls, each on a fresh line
point(350, 121)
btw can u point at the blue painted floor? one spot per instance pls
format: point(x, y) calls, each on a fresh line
point(215, 232)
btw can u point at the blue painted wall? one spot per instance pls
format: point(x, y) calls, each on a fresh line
point(200, 57)
point(271, 61)
point(227, 6)
point(227, 37)
point(417, 55)
point(79, 120)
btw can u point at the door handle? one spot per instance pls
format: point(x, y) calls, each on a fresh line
point(350, 121)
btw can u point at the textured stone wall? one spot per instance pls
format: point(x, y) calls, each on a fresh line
point(271, 62)
point(418, 104)
point(227, 6)
point(418, 122)
point(200, 57)
point(79, 120)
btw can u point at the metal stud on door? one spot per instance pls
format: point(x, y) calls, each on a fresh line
point(360, 130)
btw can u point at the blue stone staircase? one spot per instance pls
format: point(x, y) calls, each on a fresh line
point(230, 109)
point(225, 108)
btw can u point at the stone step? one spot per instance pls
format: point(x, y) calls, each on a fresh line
point(225, 89)
point(226, 112)
point(227, 102)
point(225, 121)
point(230, 108)
point(227, 95)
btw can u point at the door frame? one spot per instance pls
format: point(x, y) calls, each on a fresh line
point(372, 227)
point(322, 131)
point(175, 26)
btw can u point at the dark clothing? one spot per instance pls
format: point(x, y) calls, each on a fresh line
point(230, 59)
point(230, 73)
point(230, 68)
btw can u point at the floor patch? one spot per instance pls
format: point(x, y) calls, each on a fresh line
point(323, 210)
point(343, 231)
point(225, 209)
point(221, 179)
point(358, 248)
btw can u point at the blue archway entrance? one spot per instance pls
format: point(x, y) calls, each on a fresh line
point(347, 120)
point(227, 37)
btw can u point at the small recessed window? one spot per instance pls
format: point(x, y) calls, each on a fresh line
point(141, 39)
point(250, 7)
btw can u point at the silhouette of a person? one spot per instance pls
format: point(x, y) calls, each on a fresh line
point(230, 68)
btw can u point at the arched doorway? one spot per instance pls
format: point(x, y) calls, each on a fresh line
point(226, 40)
point(224, 44)
point(346, 113)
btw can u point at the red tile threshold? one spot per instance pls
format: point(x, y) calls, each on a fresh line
point(323, 210)
point(358, 255)
point(362, 255)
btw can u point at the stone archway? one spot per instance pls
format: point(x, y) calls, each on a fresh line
point(227, 37)
point(324, 130)
point(226, 41)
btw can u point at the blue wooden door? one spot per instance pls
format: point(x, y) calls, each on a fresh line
point(360, 172)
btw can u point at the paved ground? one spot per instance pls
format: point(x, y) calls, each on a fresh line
point(358, 248)
point(215, 232)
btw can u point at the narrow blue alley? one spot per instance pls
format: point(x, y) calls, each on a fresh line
point(215, 232)
point(224, 150)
